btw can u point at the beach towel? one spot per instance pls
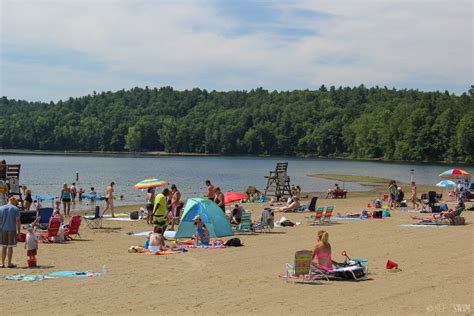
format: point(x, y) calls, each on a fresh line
point(50, 276)
point(163, 252)
point(75, 274)
point(116, 215)
point(422, 225)
point(301, 208)
point(349, 218)
point(203, 246)
point(124, 219)
point(26, 277)
point(143, 234)
point(189, 244)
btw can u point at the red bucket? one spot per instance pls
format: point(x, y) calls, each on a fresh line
point(21, 237)
point(391, 264)
point(31, 263)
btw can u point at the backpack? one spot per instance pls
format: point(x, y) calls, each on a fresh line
point(233, 242)
point(134, 215)
point(287, 223)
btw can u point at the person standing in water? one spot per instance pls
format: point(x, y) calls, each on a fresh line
point(66, 199)
point(27, 200)
point(109, 199)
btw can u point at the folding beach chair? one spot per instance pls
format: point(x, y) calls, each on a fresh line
point(73, 227)
point(245, 223)
point(52, 231)
point(327, 215)
point(300, 271)
point(94, 221)
point(45, 214)
point(266, 221)
point(317, 217)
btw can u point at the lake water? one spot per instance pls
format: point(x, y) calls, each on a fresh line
point(45, 174)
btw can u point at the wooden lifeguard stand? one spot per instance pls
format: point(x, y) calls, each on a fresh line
point(278, 181)
point(9, 181)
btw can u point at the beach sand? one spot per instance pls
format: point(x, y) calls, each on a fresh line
point(436, 271)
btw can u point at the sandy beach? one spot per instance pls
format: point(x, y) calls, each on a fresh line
point(436, 271)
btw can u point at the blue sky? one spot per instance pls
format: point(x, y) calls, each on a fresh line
point(52, 50)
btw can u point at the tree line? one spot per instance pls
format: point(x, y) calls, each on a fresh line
point(358, 122)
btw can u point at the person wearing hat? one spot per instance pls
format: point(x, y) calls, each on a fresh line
point(201, 234)
point(31, 244)
point(9, 230)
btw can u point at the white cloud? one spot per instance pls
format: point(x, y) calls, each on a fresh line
point(186, 44)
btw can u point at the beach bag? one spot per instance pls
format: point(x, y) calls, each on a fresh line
point(287, 223)
point(359, 272)
point(458, 220)
point(233, 242)
point(386, 213)
point(21, 237)
point(134, 215)
point(377, 214)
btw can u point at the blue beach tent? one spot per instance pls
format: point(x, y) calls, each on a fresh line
point(216, 221)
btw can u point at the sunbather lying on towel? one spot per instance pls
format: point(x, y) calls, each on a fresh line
point(450, 214)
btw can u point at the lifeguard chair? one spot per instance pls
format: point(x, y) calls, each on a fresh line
point(9, 181)
point(278, 181)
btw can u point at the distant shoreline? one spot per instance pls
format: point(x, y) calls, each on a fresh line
point(101, 153)
point(185, 154)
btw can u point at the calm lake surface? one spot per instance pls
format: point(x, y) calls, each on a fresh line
point(45, 174)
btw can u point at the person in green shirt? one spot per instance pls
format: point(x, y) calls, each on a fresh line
point(160, 210)
point(392, 191)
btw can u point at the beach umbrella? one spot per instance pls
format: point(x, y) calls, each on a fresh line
point(230, 197)
point(151, 183)
point(455, 174)
point(446, 184)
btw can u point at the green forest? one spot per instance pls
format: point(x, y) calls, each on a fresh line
point(359, 122)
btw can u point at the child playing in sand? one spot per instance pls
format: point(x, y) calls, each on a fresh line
point(157, 242)
point(31, 243)
point(201, 234)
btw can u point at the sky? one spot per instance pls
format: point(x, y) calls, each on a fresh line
point(52, 50)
